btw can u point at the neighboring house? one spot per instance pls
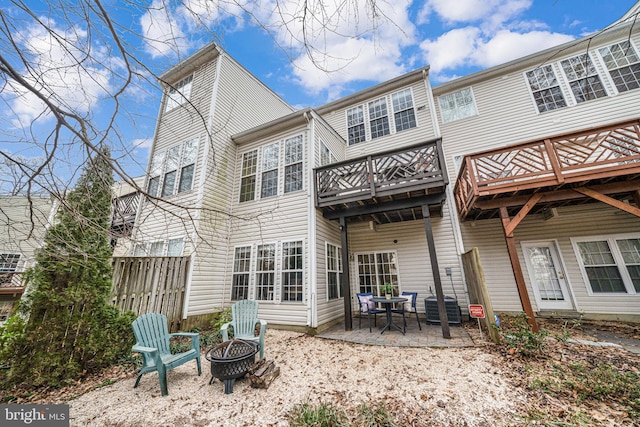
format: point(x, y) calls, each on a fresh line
point(303, 209)
point(23, 223)
point(124, 207)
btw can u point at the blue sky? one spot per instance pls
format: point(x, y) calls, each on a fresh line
point(454, 37)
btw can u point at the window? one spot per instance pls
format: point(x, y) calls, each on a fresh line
point(178, 93)
point(270, 162)
point(265, 272)
point(583, 78)
point(240, 275)
point(623, 64)
point(326, 156)
point(378, 118)
point(9, 263)
point(175, 247)
point(334, 271)
point(293, 164)
point(375, 269)
point(403, 113)
point(172, 172)
point(248, 180)
point(457, 105)
point(355, 125)
point(160, 248)
point(292, 271)
point(545, 89)
point(610, 264)
point(157, 249)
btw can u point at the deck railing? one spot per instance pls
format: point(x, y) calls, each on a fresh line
point(594, 154)
point(388, 173)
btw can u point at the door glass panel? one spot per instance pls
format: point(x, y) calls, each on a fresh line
point(545, 273)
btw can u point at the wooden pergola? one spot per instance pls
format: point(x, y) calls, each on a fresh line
point(596, 164)
point(394, 186)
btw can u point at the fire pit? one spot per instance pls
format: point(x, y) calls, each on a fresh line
point(231, 360)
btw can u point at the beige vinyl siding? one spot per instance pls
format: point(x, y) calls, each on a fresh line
point(422, 133)
point(576, 221)
point(24, 224)
point(326, 232)
point(507, 114)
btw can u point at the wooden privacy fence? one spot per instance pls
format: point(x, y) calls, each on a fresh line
point(478, 293)
point(151, 285)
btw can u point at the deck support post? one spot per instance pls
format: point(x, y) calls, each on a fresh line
point(517, 268)
point(344, 278)
point(431, 244)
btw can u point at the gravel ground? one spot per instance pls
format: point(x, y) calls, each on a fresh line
point(419, 387)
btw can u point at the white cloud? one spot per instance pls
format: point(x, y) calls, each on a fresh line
point(496, 11)
point(145, 143)
point(453, 49)
point(61, 71)
point(507, 45)
point(162, 32)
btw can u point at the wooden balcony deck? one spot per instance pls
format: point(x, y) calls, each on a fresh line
point(391, 178)
point(11, 283)
point(561, 169)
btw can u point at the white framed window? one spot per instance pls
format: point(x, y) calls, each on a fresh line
point(378, 118)
point(610, 264)
point(248, 176)
point(326, 156)
point(355, 125)
point(265, 272)
point(375, 269)
point(583, 78)
point(159, 248)
point(270, 165)
point(293, 170)
point(9, 265)
point(623, 65)
point(172, 171)
point(292, 271)
point(457, 105)
point(241, 273)
point(404, 114)
point(545, 88)
point(175, 247)
point(178, 93)
point(334, 271)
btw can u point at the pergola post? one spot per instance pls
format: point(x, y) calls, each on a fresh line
point(344, 278)
point(431, 244)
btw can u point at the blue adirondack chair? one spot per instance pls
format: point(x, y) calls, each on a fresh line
point(152, 341)
point(244, 318)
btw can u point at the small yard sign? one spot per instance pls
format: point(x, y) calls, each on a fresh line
point(476, 311)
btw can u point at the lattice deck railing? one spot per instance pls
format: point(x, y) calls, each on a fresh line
point(382, 174)
point(593, 154)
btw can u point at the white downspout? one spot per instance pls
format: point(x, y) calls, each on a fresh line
point(312, 312)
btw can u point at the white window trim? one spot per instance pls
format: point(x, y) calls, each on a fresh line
point(562, 84)
point(393, 111)
point(285, 165)
point(473, 98)
point(340, 270)
point(615, 251)
point(571, 100)
point(375, 253)
point(146, 247)
point(280, 268)
point(174, 96)
point(250, 287)
point(255, 174)
point(604, 72)
point(367, 136)
point(275, 270)
point(163, 168)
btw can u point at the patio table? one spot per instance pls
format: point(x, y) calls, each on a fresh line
point(388, 303)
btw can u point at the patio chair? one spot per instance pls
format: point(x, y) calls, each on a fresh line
point(244, 318)
point(409, 306)
point(369, 307)
point(152, 341)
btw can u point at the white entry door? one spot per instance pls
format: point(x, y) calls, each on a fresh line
point(547, 276)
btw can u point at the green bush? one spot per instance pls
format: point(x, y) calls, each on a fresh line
point(516, 333)
point(323, 415)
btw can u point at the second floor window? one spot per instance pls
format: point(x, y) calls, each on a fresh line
point(293, 171)
point(248, 178)
point(178, 94)
point(623, 64)
point(403, 113)
point(545, 89)
point(270, 163)
point(355, 125)
point(378, 118)
point(172, 172)
point(326, 156)
point(583, 78)
point(457, 105)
